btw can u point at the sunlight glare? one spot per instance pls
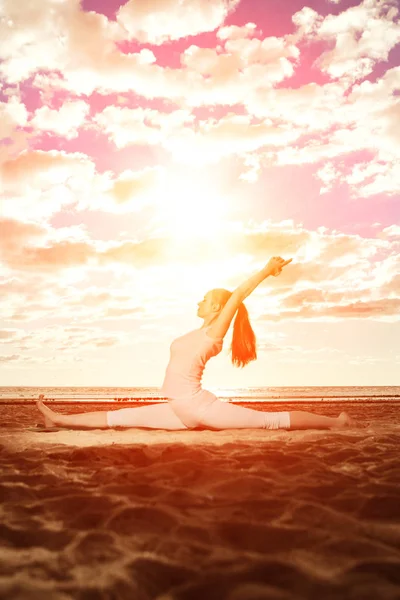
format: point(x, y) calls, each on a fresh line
point(192, 208)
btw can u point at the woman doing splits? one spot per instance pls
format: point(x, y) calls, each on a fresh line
point(189, 405)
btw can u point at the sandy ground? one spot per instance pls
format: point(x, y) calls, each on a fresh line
point(215, 515)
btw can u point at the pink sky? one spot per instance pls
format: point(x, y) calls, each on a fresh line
point(151, 151)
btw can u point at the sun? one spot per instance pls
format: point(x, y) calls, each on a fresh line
point(192, 208)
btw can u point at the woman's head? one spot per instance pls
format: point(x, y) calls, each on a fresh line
point(212, 303)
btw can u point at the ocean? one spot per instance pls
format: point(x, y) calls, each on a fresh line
point(21, 394)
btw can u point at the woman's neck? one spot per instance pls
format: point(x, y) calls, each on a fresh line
point(207, 323)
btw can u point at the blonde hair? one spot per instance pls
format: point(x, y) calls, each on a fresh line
point(243, 346)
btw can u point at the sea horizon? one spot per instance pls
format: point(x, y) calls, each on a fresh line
point(244, 394)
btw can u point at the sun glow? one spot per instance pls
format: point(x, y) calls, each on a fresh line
point(192, 208)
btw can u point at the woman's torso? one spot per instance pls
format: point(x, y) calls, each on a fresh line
point(189, 354)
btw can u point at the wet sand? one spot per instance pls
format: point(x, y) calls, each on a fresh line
point(235, 515)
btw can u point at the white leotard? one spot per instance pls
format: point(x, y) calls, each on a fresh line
point(189, 354)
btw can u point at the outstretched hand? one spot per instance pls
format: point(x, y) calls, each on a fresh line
point(276, 264)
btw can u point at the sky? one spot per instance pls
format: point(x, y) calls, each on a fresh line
point(151, 151)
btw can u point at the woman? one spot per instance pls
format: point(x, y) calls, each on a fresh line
point(189, 405)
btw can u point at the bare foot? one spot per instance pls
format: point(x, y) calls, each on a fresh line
point(344, 420)
point(46, 412)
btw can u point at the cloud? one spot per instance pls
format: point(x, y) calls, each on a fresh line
point(392, 287)
point(7, 334)
point(362, 36)
point(15, 234)
point(129, 185)
point(51, 35)
point(10, 358)
point(52, 166)
point(126, 126)
point(123, 313)
point(79, 48)
point(66, 341)
point(393, 231)
point(39, 184)
point(367, 120)
point(102, 342)
point(128, 192)
point(234, 32)
point(329, 175)
point(53, 257)
point(158, 21)
point(311, 106)
point(386, 180)
point(20, 249)
point(139, 254)
point(203, 142)
point(64, 47)
point(231, 74)
point(385, 309)
point(102, 305)
point(24, 291)
point(64, 122)
point(13, 114)
point(267, 51)
point(228, 136)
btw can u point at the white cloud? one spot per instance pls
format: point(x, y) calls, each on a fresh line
point(329, 176)
point(230, 135)
point(391, 231)
point(52, 35)
point(362, 35)
point(129, 192)
point(307, 21)
point(266, 51)
point(366, 120)
point(157, 21)
point(363, 171)
point(252, 164)
point(64, 122)
point(311, 106)
point(64, 47)
point(233, 32)
point(202, 142)
point(12, 114)
point(37, 184)
point(127, 126)
point(386, 181)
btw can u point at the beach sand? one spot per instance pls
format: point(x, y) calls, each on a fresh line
point(194, 515)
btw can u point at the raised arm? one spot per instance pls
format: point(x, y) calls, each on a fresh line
point(221, 325)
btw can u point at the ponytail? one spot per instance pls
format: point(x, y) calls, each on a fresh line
point(243, 347)
point(243, 339)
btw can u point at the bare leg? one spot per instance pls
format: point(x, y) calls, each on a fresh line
point(208, 411)
point(155, 416)
point(89, 420)
point(306, 420)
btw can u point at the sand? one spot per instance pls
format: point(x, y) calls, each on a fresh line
point(235, 515)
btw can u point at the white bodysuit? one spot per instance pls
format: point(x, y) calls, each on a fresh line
point(189, 405)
